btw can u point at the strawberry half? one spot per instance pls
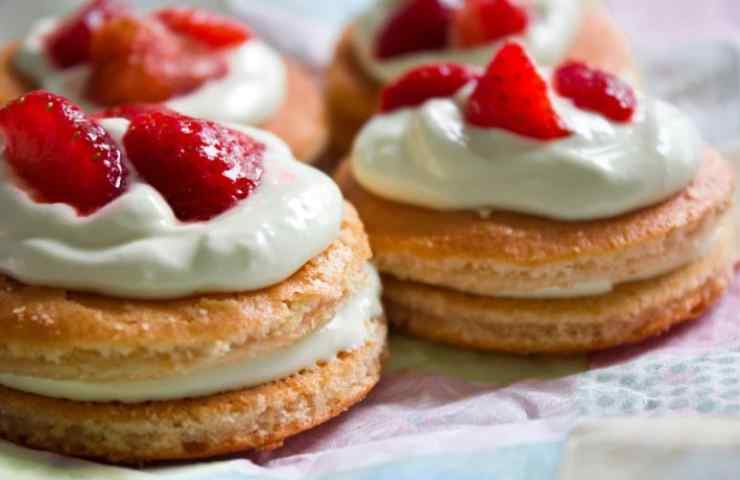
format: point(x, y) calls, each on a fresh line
point(141, 61)
point(201, 168)
point(423, 83)
point(596, 90)
point(416, 26)
point(60, 154)
point(479, 22)
point(70, 43)
point(211, 29)
point(512, 95)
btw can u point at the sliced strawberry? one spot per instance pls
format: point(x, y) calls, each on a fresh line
point(216, 31)
point(70, 43)
point(140, 61)
point(201, 168)
point(132, 110)
point(479, 22)
point(416, 26)
point(512, 95)
point(60, 154)
point(423, 83)
point(596, 90)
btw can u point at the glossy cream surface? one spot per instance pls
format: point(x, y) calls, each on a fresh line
point(135, 247)
point(430, 156)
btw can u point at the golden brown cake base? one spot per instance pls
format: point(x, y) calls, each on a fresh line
point(352, 95)
point(301, 121)
point(255, 418)
point(631, 313)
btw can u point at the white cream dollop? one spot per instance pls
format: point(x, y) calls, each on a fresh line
point(251, 93)
point(547, 39)
point(430, 157)
point(135, 247)
point(349, 329)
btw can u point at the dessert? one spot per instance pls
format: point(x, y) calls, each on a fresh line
point(394, 36)
point(193, 61)
point(173, 288)
point(539, 210)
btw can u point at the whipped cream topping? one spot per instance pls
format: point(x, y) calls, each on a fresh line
point(251, 93)
point(548, 39)
point(350, 328)
point(430, 157)
point(135, 247)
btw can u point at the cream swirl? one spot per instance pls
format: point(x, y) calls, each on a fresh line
point(135, 247)
point(251, 93)
point(547, 39)
point(430, 157)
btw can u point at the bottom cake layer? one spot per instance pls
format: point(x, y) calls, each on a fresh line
point(260, 417)
point(630, 313)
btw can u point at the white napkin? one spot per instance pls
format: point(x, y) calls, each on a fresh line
point(675, 448)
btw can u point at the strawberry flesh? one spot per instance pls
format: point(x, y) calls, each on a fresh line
point(59, 154)
point(201, 168)
point(211, 29)
point(141, 61)
point(479, 22)
point(596, 90)
point(511, 95)
point(423, 83)
point(70, 43)
point(417, 25)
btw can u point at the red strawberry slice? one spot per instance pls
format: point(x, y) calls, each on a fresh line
point(139, 60)
point(213, 30)
point(130, 111)
point(483, 21)
point(596, 90)
point(423, 83)
point(70, 43)
point(416, 26)
point(201, 168)
point(512, 95)
point(60, 154)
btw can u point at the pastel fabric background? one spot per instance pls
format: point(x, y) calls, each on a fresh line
point(444, 413)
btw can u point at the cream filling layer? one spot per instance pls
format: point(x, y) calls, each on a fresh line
point(251, 93)
point(548, 39)
point(431, 157)
point(135, 247)
point(698, 248)
point(350, 328)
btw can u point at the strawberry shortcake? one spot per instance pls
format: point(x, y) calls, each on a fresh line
point(539, 210)
point(193, 61)
point(173, 288)
point(394, 36)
